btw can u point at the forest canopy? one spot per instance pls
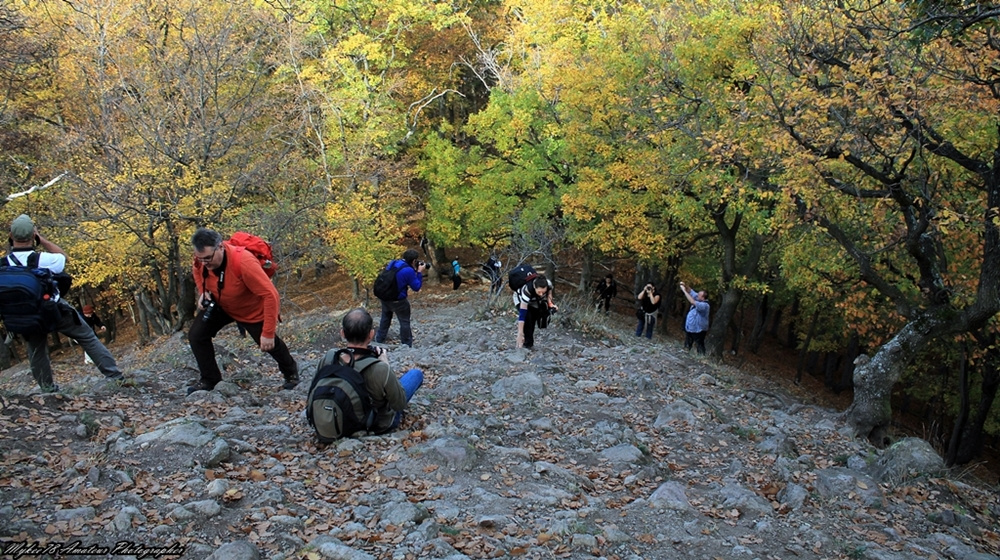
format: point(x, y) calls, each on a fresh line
point(837, 158)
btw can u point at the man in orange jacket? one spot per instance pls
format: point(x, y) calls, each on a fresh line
point(232, 286)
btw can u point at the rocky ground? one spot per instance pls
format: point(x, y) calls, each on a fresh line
point(596, 444)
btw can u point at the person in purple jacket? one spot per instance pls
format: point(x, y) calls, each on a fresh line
point(409, 275)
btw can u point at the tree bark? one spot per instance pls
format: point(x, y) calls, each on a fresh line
point(142, 324)
point(847, 371)
point(804, 351)
point(442, 269)
point(968, 437)
point(870, 414)
point(716, 340)
point(792, 338)
point(760, 320)
point(586, 270)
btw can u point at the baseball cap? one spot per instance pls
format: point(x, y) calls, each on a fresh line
point(22, 228)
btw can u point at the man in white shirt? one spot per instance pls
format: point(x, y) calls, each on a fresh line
point(23, 238)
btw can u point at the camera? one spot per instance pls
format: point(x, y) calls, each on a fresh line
point(375, 350)
point(423, 264)
point(209, 306)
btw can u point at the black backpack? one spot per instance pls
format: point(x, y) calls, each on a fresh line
point(520, 275)
point(339, 404)
point(28, 296)
point(385, 286)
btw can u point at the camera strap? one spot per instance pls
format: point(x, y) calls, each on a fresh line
point(221, 273)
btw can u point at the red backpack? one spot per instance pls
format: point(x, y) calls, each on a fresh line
point(258, 248)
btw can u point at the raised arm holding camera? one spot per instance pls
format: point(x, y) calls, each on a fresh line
point(649, 302)
point(696, 322)
point(66, 319)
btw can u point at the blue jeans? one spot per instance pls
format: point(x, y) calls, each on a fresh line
point(649, 321)
point(411, 381)
point(401, 308)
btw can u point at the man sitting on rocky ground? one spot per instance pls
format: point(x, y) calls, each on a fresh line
point(389, 395)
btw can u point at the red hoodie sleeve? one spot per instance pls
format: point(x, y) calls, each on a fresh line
point(257, 282)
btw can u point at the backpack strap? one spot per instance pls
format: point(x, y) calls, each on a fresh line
point(358, 364)
point(32, 261)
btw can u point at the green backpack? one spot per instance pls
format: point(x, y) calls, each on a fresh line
point(338, 404)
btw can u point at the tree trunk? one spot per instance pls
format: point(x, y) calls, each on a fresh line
point(586, 270)
point(668, 293)
point(186, 304)
point(847, 370)
point(792, 338)
point(963, 411)
point(760, 320)
point(870, 414)
point(141, 323)
point(716, 340)
point(971, 436)
point(830, 363)
point(441, 266)
point(736, 328)
point(746, 267)
point(153, 319)
point(804, 351)
point(776, 322)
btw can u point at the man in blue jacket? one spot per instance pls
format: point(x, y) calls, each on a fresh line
point(409, 275)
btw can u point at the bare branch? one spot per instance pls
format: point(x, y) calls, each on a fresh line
point(35, 188)
point(417, 106)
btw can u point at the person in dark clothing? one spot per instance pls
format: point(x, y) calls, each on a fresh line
point(534, 305)
point(92, 319)
point(649, 302)
point(492, 268)
point(606, 290)
point(456, 274)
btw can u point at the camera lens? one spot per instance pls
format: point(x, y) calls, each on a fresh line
point(209, 307)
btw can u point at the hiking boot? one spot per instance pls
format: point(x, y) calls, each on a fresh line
point(291, 381)
point(199, 386)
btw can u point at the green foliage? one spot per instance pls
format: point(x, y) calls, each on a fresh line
point(358, 233)
point(459, 211)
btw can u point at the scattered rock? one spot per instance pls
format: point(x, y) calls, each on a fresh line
point(237, 550)
point(908, 458)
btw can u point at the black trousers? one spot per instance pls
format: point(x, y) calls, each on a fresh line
point(696, 339)
point(200, 338)
point(535, 316)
